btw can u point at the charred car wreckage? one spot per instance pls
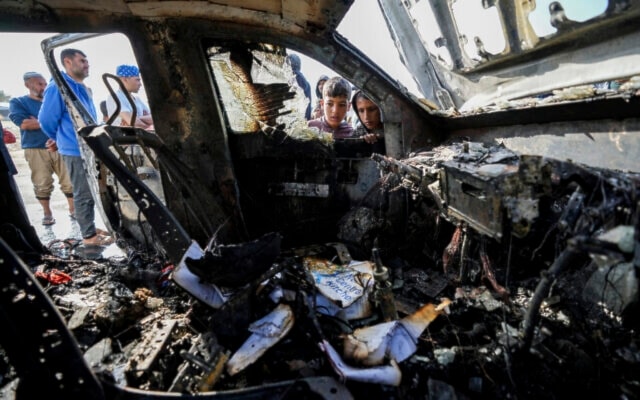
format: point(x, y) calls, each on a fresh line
point(489, 249)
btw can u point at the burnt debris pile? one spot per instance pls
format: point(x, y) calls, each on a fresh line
point(513, 276)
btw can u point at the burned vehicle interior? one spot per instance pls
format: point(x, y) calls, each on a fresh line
point(487, 248)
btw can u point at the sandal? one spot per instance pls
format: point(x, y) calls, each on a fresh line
point(48, 220)
point(98, 240)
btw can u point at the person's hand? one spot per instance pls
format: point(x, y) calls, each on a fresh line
point(51, 145)
point(30, 124)
point(370, 138)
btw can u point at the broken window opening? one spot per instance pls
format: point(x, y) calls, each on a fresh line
point(288, 173)
point(365, 26)
point(471, 66)
point(545, 24)
point(258, 89)
point(481, 40)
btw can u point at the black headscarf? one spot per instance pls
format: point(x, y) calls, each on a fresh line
point(322, 78)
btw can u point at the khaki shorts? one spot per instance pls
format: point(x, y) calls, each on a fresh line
point(43, 165)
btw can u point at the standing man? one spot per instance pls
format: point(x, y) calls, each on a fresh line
point(129, 75)
point(56, 123)
point(42, 162)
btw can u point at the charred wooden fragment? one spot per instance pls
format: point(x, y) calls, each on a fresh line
point(145, 355)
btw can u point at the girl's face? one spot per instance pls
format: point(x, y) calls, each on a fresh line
point(321, 85)
point(369, 113)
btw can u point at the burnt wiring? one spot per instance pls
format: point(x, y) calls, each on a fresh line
point(580, 220)
point(507, 353)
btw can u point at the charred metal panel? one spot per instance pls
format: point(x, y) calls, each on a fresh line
point(516, 26)
point(409, 46)
point(299, 189)
point(595, 50)
point(605, 144)
point(473, 198)
point(192, 129)
point(290, 212)
point(317, 16)
point(290, 184)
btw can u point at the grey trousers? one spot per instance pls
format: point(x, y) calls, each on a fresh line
point(82, 198)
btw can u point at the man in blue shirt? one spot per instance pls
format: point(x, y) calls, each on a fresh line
point(42, 163)
point(56, 122)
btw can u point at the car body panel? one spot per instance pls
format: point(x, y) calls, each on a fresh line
point(477, 165)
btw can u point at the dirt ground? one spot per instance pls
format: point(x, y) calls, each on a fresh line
point(65, 227)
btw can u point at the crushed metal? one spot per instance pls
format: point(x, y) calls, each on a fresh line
point(539, 258)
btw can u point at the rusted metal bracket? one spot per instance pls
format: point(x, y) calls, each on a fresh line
point(173, 237)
